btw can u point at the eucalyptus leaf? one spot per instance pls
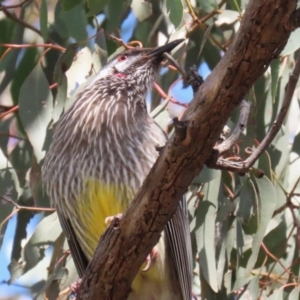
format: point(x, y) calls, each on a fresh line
point(115, 9)
point(35, 109)
point(205, 230)
point(294, 294)
point(45, 235)
point(141, 9)
point(275, 65)
point(69, 4)
point(96, 6)
point(44, 19)
point(293, 43)
point(175, 9)
point(100, 54)
point(247, 201)
point(9, 190)
point(267, 205)
point(75, 22)
point(27, 63)
point(64, 62)
point(227, 17)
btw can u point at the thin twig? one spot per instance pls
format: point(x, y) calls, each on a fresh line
point(13, 109)
point(243, 166)
point(20, 207)
point(59, 48)
point(200, 22)
point(175, 64)
point(165, 96)
point(243, 119)
point(11, 16)
point(290, 89)
point(11, 135)
point(120, 41)
point(5, 53)
point(264, 247)
point(191, 11)
point(3, 7)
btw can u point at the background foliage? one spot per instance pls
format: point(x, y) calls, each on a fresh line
point(49, 48)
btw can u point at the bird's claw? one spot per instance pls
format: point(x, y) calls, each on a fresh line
point(109, 219)
point(151, 258)
point(75, 287)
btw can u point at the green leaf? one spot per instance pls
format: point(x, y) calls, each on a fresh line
point(79, 71)
point(205, 237)
point(267, 203)
point(206, 175)
point(163, 119)
point(252, 289)
point(176, 11)
point(61, 99)
point(141, 9)
point(23, 219)
point(59, 24)
point(227, 17)
point(29, 279)
point(205, 38)
point(207, 5)
point(21, 159)
point(46, 233)
point(296, 144)
point(100, 55)
point(205, 230)
point(275, 66)
point(159, 109)
point(247, 202)
point(69, 4)
point(273, 242)
point(9, 189)
point(264, 163)
point(4, 129)
point(35, 108)
point(26, 65)
point(64, 62)
point(66, 21)
point(96, 6)
point(44, 19)
point(114, 14)
point(276, 295)
point(293, 43)
point(295, 294)
point(6, 34)
point(242, 278)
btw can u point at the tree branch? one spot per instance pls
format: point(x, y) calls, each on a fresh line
point(125, 244)
point(243, 166)
point(242, 122)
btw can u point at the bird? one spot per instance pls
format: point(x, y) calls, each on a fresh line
point(103, 148)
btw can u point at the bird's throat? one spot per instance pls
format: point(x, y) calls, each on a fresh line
point(120, 75)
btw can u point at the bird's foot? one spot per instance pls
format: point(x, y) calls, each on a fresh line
point(151, 258)
point(109, 219)
point(75, 288)
point(193, 78)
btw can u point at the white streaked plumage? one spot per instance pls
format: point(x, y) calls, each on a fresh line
point(107, 135)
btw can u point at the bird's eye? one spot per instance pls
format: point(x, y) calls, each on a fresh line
point(122, 57)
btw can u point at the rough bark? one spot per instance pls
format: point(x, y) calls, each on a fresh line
point(263, 33)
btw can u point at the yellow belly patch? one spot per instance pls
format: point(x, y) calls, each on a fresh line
point(96, 203)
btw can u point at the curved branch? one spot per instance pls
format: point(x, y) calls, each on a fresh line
point(243, 166)
point(126, 243)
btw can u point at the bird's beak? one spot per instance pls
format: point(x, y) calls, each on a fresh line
point(158, 52)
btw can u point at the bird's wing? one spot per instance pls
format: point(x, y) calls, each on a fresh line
point(79, 258)
point(179, 238)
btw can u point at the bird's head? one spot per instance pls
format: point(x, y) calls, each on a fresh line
point(139, 64)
